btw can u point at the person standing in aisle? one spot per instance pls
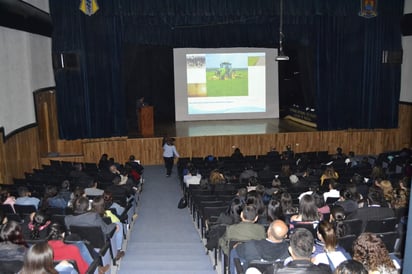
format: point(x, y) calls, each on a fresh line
point(169, 154)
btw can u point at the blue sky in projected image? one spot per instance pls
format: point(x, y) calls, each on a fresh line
point(238, 60)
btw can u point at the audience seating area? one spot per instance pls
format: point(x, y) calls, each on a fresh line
point(207, 202)
point(53, 175)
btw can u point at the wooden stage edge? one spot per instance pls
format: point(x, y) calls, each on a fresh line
point(30, 148)
point(149, 150)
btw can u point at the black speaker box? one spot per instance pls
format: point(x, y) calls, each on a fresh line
point(406, 24)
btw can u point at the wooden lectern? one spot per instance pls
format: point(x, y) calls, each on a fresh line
point(145, 119)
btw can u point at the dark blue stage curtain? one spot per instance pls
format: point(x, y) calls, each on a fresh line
point(353, 88)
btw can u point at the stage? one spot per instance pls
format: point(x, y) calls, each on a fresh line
point(225, 128)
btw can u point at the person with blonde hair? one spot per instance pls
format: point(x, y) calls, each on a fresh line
point(387, 190)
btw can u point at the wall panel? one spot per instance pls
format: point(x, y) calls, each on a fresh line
point(21, 153)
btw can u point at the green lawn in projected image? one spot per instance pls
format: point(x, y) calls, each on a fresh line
point(235, 84)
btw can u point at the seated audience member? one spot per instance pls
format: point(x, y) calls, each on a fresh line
point(286, 202)
point(6, 198)
point(266, 174)
point(387, 190)
point(273, 154)
point(118, 189)
point(276, 188)
point(39, 259)
point(12, 244)
point(337, 216)
point(104, 162)
point(244, 231)
point(255, 199)
point(92, 189)
point(37, 226)
point(98, 206)
point(79, 177)
point(308, 212)
point(82, 217)
point(109, 203)
point(65, 192)
point(323, 208)
point(327, 250)
point(232, 216)
point(247, 173)
point(369, 250)
point(329, 173)
point(135, 164)
point(350, 267)
point(373, 209)
point(333, 192)
point(63, 251)
point(346, 201)
point(237, 155)
point(52, 199)
point(273, 248)
point(193, 178)
point(359, 185)
point(25, 199)
point(77, 193)
point(274, 211)
point(300, 249)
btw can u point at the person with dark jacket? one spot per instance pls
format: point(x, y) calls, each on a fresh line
point(274, 247)
point(300, 249)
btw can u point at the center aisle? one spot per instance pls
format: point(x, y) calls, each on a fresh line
point(164, 238)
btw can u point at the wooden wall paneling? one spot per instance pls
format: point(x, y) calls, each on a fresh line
point(22, 153)
point(114, 147)
point(46, 115)
point(70, 147)
point(405, 124)
point(148, 151)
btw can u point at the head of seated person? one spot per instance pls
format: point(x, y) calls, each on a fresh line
point(81, 205)
point(249, 214)
point(38, 226)
point(308, 211)
point(39, 259)
point(11, 232)
point(301, 244)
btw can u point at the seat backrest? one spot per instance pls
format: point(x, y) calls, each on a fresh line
point(6, 209)
point(261, 265)
point(346, 242)
point(389, 239)
point(92, 234)
point(10, 266)
point(312, 227)
point(353, 226)
point(24, 209)
point(380, 226)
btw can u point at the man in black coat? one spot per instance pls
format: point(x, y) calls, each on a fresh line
point(272, 248)
point(300, 249)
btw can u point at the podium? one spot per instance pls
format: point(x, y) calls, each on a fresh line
point(145, 121)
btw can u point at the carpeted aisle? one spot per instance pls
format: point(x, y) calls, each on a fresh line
point(164, 239)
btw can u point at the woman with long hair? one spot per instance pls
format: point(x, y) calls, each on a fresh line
point(369, 250)
point(337, 216)
point(327, 250)
point(275, 211)
point(39, 260)
point(308, 211)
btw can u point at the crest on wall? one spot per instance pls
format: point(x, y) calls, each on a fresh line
point(89, 7)
point(369, 8)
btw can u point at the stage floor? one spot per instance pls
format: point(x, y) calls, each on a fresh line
point(225, 127)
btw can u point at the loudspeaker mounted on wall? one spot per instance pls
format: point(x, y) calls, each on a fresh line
point(406, 24)
point(392, 56)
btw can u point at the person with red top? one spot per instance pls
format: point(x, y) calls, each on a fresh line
point(63, 251)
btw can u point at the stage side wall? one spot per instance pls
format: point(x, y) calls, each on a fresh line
point(19, 153)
